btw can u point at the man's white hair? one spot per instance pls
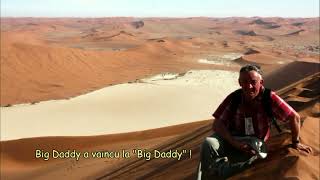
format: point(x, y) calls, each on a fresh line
point(251, 67)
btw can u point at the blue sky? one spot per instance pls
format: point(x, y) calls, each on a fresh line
point(159, 8)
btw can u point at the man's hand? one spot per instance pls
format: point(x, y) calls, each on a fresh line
point(302, 148)
point(242, 146)
point(220, 128)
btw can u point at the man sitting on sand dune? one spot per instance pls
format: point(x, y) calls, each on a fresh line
point(241, 128)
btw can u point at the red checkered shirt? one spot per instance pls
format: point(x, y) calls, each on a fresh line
point(261, 122)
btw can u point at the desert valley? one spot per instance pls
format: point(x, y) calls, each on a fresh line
point(125, 83)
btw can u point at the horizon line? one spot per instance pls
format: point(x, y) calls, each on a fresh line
point(177, 17)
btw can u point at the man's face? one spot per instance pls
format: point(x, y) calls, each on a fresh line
point(250, 83)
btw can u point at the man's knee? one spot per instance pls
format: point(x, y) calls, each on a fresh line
point(211, 142)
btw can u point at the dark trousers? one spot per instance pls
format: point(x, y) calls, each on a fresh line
point(218, 159)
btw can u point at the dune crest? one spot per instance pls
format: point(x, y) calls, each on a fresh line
point(158, 69)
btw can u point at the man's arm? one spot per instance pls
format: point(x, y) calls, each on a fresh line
point(221, 129)
point(294, 121)
point(282, 111)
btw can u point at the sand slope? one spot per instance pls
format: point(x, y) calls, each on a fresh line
point(150, 103)
point(60, 58)
point(283, 161)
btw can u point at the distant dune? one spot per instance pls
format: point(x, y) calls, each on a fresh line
point(291, 73)
point(297, 24)
point(294, 33)
point(246, 33)
point(76, 56)
point(251, 51)
point(260, 22)
point(272, 26)
point(267, 25)
point(137, 24)
point(46, 59)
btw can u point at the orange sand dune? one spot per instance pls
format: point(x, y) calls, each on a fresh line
point(283, 161)
point(48, 58)
point(54, 73)
point(290, 73)
point(57, 62)
point(265, 59)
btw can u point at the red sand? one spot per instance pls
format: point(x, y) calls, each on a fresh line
point(38, 63)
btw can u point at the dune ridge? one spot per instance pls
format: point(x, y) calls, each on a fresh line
point(61, 58)
point(114, 47)
point(281, 162)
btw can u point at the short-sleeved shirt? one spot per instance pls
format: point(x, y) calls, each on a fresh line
point(235, 121)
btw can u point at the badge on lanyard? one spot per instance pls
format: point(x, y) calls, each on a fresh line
point(249, 126)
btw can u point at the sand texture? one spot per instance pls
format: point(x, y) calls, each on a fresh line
point(114, 86)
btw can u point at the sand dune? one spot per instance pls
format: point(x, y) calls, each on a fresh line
point(33, 43)
point(294, 33)
point(264, 58)
point(265, 24)
point(291, 73)
point(92, 114)
point(280, 163)
point(120, 36)
point(66, 72)
point(246, 33)
point(61, 58)
point(251, 51)
point(137, 24)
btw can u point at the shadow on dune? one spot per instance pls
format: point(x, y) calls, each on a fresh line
point(290, 73)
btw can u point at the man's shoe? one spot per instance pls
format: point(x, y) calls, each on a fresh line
point(214, 169)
